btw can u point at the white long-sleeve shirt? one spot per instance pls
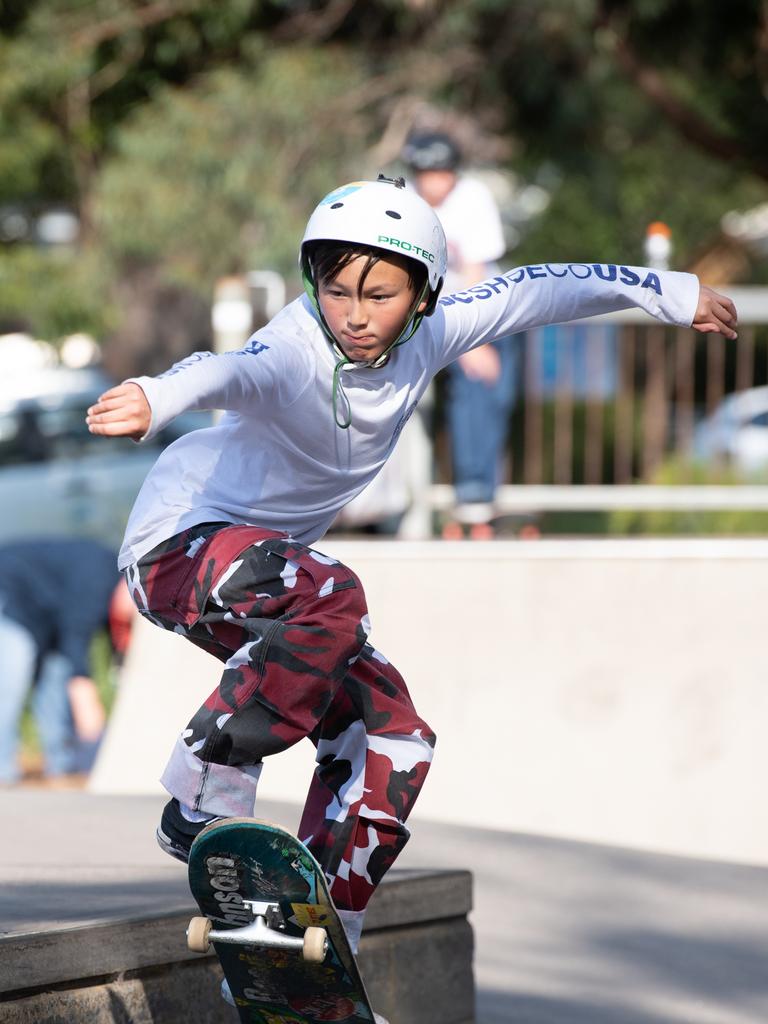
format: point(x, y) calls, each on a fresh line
point(277, 458)
point(473, 231)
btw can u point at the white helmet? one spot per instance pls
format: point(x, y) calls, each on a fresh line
point(384, 214)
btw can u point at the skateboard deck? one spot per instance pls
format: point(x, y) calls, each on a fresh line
point(273, 925)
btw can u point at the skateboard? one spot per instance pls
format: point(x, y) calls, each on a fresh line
point(271, 920)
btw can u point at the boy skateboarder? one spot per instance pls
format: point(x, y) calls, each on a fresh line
point(218, 544)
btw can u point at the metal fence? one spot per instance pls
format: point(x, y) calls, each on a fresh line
point(654, 385)
point(607, 402)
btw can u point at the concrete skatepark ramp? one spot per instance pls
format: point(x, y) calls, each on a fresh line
point(615, 690)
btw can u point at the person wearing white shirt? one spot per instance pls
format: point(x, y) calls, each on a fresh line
point(481, 384)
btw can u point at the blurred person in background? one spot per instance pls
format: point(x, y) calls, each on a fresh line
point(482, 382)
point(55, 595)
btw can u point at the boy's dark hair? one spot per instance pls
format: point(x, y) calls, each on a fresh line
point(328, 258)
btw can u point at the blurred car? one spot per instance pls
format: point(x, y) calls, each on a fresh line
point(737, 432)
point(55, 476)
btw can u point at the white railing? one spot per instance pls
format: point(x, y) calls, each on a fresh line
point(589, 498)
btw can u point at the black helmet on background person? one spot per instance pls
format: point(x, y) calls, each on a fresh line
point(431, 151)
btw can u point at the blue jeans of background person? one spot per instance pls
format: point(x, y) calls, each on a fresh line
point(20, 673)
point(478, 416)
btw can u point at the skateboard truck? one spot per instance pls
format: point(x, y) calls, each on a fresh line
point(266, 930)
point(243, 872)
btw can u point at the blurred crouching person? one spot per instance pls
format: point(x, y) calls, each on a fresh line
point(55, 595)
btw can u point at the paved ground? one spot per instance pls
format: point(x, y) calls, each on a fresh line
point(567, 933)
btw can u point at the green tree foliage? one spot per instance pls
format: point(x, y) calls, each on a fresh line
point(55, 294)
point(220, 176)
point(562, 65)
point(193, 136)
point(71, 73)
point(646, 110)
point(704, 67)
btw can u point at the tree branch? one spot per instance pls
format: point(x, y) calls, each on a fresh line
point(109, 75)
point(420, 75)
point(314, 26)
point(761, 48)
point(687, 121)
point(141, 16)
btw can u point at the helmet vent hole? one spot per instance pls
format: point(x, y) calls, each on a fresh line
point(394, 215)
point(336, 206)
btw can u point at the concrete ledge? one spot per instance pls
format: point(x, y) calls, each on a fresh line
point(416, 956)
point(185, 991)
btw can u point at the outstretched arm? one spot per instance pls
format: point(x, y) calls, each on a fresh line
point(123, 411)
point(534, 296)
point(142, 406)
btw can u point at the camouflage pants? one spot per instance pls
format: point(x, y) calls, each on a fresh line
point(291, 627)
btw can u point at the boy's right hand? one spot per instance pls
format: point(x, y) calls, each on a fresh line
point(715, 313)
point(123, 411)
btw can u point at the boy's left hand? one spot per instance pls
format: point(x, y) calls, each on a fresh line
point(123, 411)
point(715, 313)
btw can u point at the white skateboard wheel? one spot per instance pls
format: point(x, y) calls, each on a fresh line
point(315, 945)
point(197, 935)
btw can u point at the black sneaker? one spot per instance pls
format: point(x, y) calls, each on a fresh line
point(175, 833)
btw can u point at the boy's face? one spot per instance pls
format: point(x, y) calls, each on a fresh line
point(366, 322)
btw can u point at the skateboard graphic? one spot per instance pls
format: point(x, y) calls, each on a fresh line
point(271, 920)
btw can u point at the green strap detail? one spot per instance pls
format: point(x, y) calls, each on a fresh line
point(337, 390)
point(309, 287)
